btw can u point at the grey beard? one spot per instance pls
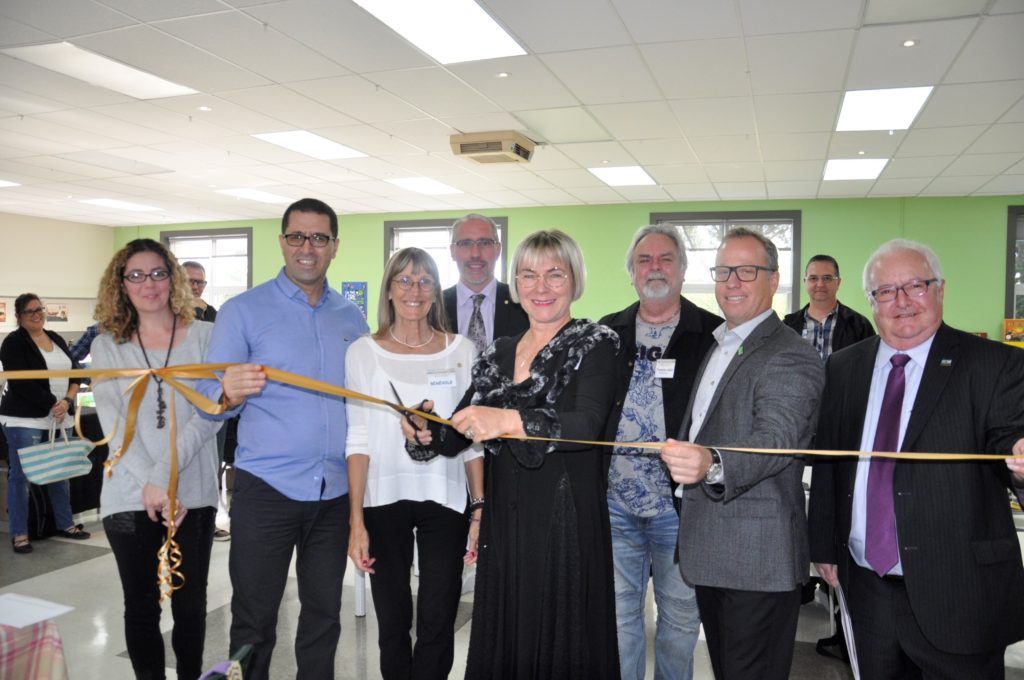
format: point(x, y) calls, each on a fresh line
point(656, 289)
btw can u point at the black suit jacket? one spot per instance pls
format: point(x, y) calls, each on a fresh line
point(688, 345)
point(851, 327)
point(509, 317)
point(28, 398)
point(958, 546)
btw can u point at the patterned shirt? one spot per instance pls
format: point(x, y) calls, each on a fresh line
point(820, 334)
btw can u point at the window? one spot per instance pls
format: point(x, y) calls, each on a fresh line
point(226, 255)
point(1015, 263)
point(702, 233)
point(434, 236)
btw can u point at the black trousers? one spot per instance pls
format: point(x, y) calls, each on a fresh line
point(890, 644)
point(135, 540)
point(266, 528)
point(750, 634)
point(441, 541)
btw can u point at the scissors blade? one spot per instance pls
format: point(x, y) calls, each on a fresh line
point(401, 403)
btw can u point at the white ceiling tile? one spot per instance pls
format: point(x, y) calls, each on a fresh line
point(794, 171)
point(560, 126)
point(780, 64)
point(797, 16)
point(651, 21)
point(181, 116)
point(715, 116)
point(921, 166)
point(907, 186)
point(431, 165)
point(573, 178)
point(425, 133)
point(874, 144)
point(201, 154)
point(506, 197)
point(880, 60)
point(484, 122)
point(93, 123)
point(62, 165)
point(16, 102)
point(147, 10)
point(849, 188)
point(64, 18)
point(887, 12)
point(548, 157)
point(994, 52)
point(637, 120)
point(596, 195)
point(816, 112)
point(1004, 7)
point(372, 167)
point(325, 171)
point(741, 190)
point(15, 143)
point(969, 103)
point(734, 172)
point(981, 164)
point(604, 76)
point(523, 179)
point(1015, 114)
point(938, 141)
point(643, 194)
point(529, 85)
point(252, 45)
point(542, 26)
point(794, 146)
point(433, 90)
point(54, 132)
point(469, 182)
point(684, 69)
point(661, 151)
point(954, 186)
point(291, 108)
point(1016, 169)
point(794, 189)
point(692, 173)
point(469, 202)
point(359, 98)
point(16, 34)
point(1007, 185)
point(369, 140)
point(596, 154)
point(1006, 137)
point(726, 149)
point(551, 196)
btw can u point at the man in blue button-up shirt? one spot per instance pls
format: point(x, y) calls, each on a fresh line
point(291, 486)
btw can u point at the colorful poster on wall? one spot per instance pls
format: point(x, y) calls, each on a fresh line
point(3, 312)
point(356, 292)
point(57, 311)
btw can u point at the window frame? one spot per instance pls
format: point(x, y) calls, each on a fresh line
point(166, 236)
point(1014, 218)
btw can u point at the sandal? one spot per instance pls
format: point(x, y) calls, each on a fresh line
point(74, 532)
point(21, 545)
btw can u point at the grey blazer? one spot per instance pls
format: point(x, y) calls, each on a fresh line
point(750, 533)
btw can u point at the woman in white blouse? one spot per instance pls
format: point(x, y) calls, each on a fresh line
point(396, 501)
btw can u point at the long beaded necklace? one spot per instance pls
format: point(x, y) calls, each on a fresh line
point(161, 405)
point(422, 344)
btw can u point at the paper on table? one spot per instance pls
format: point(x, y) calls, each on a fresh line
point(21, 610)
point(851, 648)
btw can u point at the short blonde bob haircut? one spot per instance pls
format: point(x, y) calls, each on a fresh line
point(115, 312)
point(555, 244)
point(421, 263)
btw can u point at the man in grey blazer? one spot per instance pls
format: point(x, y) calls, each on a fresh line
point(743, 530)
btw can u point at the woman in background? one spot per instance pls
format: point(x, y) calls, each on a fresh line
point(29, 407)
point(145, 313)
point(397, 502)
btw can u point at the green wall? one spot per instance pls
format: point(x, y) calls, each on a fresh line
point(968, 233)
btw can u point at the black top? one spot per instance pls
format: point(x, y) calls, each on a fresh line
point(851, 327)
point(208, 314)
point(28, 398)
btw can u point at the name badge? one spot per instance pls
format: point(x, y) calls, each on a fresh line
point(665, 368)
point(444, 377)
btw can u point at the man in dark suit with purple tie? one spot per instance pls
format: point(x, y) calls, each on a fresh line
point(925, 551)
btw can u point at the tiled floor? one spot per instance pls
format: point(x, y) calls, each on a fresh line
point(83, 575)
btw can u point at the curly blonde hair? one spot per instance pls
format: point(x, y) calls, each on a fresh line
point(115, 312)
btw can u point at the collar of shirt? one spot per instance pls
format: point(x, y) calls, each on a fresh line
point(724, 335)
point(811, 321)
point(918, 354)
point(292, 290)
point(464, 294)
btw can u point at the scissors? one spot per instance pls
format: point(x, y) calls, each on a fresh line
point(405, 412)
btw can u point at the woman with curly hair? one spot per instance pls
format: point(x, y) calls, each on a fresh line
point(145, 314)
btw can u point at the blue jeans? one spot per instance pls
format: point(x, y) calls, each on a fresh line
point(641, 545)
point(17, 484)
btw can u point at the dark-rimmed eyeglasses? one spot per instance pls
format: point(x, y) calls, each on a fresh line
point(197, 282)
point(481, 243)
point(407, 282)
point(744, 272)
point(826, 279)
point(911, 289)
point(296, 239)
point(38, 311)
point(138, 276)
point(555, 279)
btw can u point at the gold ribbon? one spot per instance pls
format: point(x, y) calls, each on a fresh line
point(170, 557)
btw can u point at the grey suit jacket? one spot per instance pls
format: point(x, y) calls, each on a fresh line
point(750, 533)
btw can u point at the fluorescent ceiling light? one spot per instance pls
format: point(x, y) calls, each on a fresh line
point(891, 109)
point(120, 205)
point(624, 176)
point(73, 61)
point(255, 195)
point(309, 144)
point(5, 183)
point(854, 168)
point(424, 185)
point(450, 31)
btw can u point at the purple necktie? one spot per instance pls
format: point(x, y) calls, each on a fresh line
point(880, 547)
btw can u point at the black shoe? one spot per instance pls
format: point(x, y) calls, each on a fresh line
point(75, 533)
point(22, 546)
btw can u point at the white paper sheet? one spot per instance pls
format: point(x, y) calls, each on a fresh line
point(21, 610)
point(851, 648)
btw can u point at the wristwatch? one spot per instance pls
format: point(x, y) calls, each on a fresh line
point(715, 473)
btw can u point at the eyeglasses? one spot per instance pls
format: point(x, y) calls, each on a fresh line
point(296, 239)
point(407, 282)
point(138, 276)
point(555, 279)
point(38, 311)
point(197, 282)
point(912, 289)
point(481, 243)
point(826, 279)
point(744, 272)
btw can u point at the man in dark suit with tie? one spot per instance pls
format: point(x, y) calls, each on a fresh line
point(479, 306)
point(926, 552)
point(742, 527)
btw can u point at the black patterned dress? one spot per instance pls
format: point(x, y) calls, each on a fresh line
point(544, 606)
